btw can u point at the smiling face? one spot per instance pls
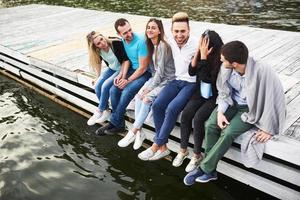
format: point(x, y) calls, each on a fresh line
point(100, 42)
point(152, 30)
point(181, 32)
point(125, 32)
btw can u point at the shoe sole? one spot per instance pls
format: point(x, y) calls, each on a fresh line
point(185, 183)
point(205, 181)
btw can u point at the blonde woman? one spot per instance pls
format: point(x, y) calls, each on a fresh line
point(112, 52)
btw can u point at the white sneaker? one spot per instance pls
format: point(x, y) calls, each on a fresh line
point(105, 116)
point(93, 119)
point(139, 138)
point(125, 141)
point(146, 154)
point(193, 164)
point(160, 154)
point(178, 160)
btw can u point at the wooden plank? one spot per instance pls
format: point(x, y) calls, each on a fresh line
point(54, 69)
point(36, 71)
point(14, 54)
point(293, 113)
point(84, 105)
point(255, 181)
point(10, 68)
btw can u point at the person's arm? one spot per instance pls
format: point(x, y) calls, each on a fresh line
point(222, 120)
point(202, 52)
point(143, 64)
point(163, 58)
point(262, 136)
point(123, 72)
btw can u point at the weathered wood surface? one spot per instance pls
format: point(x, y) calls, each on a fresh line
point(55, 35)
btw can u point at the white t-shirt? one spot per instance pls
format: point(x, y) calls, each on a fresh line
point(111, 59)
point(183, 57)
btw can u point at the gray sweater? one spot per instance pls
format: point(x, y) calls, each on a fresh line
point(266, 102)
point(165, 67)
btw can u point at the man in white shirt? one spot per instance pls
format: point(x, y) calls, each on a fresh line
point(173, 98)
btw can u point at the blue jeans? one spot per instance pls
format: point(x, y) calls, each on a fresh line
point(121, 98)
point(141, 112)
point(167, 106)
point(102, 87)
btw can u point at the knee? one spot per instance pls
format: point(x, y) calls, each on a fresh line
point(199, 119)
point(172, 110)
point(186, 116)
point(114, 90)
point(228, 136)
point(156, 106)
point(129, 92)
point(209, 124)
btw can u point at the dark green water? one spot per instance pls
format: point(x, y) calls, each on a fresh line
point(275, 14)
point(48, 153)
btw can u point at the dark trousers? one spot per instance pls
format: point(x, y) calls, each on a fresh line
point(198, 109)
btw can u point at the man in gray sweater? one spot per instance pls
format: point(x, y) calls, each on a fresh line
point(250, 96)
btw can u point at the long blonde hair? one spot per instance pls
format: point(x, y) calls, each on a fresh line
point(94, 52)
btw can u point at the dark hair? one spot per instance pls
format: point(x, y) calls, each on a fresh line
point(161, 37)
point(235, 51)
point(180, 17)
point(120, 22)
point(213, 58)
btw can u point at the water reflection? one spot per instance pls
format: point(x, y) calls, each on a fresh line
point(278, 14)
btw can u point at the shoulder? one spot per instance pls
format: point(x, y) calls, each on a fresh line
point(116, 41)
point(193, 42)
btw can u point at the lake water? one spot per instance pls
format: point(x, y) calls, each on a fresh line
point(48, 152)
point(275, 14)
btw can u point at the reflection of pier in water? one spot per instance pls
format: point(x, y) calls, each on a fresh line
point(46, 45)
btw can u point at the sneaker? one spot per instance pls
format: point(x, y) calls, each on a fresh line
point(93, 119)
point(207, 177)
point(114, 130)
point(104, 117)
point(193, 164)
point(178, 160)
point(160, 154)
point(190, 178)
point(125, 141)
point(146, 154)
point(100, 131)
point(140, 137)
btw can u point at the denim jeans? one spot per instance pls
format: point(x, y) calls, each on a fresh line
point(103, 85)
point(167, 106)
point(121, 98)
point(141, 112)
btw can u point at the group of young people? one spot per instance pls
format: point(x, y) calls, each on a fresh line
point(220, 90)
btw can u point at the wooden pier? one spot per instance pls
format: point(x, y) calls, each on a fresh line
point(46, 45)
